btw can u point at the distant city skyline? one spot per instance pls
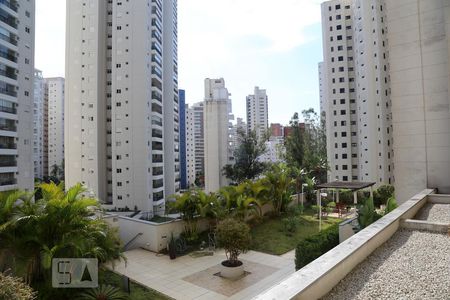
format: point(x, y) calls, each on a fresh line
point(281, 55)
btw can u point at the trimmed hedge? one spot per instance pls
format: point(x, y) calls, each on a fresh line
point(314, 246)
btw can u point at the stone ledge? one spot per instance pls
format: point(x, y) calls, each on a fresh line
point(425, 225)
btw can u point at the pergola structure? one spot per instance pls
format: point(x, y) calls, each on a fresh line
point(354, 186)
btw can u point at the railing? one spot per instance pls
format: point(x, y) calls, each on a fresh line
point(156, 96)
point(8, 127)
point(8, 146)
point(8, 163)
point(8, 39)
point(8, 182)
point(10, 21)
point(131, 241)
point(6, 109)
point(9, 4)
point(8, 56)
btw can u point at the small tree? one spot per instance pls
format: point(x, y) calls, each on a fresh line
point(390, 205)
point(234, 237)
point(247, 165)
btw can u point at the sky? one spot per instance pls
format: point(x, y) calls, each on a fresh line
point(275, 45)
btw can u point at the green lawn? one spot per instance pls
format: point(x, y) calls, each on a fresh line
point(137, 291)
point(270, 236)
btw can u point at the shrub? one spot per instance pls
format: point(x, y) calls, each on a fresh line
point(290, 224)
point(390, 205)
point(15, 288)
point(234, 237)
point(382, 194)
point(367, 214)
point(314, 246)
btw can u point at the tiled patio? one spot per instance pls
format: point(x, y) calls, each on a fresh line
point(193, 278)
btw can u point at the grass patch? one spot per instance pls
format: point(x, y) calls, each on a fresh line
point(137, 291)
point(271, 237)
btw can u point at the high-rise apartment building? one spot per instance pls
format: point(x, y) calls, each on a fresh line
point(55, 90)
point(217, 116)
point(187, 144)
point(190, 147)
point(322, 91)
point(419, 55)
point(121, 113)
point(199, 137)
point(38, 125)
point(45, 169)
point(356, 84)
point(258, 112)
point(16, 91)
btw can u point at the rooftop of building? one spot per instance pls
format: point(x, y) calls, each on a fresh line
point(403, 255)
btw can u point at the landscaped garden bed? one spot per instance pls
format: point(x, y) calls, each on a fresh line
point(271, 236)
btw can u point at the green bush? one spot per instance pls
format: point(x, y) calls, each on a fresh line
point(290, 224)
point(390, 205)
point(367, 214)
point(382, 194)
point(314, 246)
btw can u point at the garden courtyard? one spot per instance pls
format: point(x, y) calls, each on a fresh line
point(194, 276)
point(189, 277)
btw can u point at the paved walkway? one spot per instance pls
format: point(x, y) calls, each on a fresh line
point(174, 277)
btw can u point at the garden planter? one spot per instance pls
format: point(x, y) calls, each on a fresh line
point(231, 272)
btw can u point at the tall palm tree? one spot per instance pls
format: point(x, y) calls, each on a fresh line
point(280, 187)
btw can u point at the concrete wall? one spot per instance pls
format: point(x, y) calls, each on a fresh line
point(317, 278)
point(419, 71)
point(155, 236)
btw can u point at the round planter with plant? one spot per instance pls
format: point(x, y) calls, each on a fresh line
point(234, 237)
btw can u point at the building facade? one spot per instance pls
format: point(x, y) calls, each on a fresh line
point(355, 85)
point(217, 133)
point(38, 125)
point(17, 26)
point(190, 147)
point(258, 112)
point(55, 89)
point(419, 55)
point(199, 138)
point(322, 91)
point(121, 113)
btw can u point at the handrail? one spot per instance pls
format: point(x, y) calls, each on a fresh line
point(131, 241)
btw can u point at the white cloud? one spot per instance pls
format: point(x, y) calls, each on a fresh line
point(238, 40)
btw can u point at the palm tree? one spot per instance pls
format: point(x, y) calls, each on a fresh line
point(104, 292)
point(280, 186)
point(238, 201)
point(61, 224)
point(190, 206)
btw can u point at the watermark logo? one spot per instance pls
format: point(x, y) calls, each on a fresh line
point(74, 272)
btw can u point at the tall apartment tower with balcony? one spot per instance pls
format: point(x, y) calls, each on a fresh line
point(355, 79)
point(217, 133)
point(258, 112)
point(55, 90)
point(16, 94)
point(199, 140)
point(190, 147)
point(38, 124)
point(322, 90)
point(121, 113)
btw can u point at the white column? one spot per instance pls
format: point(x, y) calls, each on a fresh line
point(355, 197)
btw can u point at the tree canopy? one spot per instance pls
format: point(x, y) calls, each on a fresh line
point(247, 165)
